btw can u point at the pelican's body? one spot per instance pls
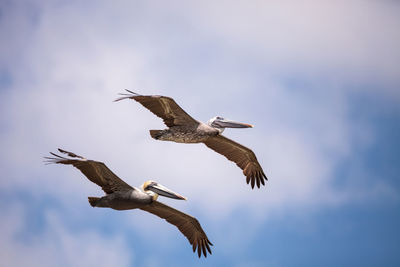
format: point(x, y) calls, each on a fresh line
point(123, 200)
point(186, 134)
point(121, 196)
point(182, 128)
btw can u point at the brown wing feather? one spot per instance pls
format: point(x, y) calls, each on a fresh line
point(163, 107)
point(188, 225)
point(241, 155)
point(95, 171)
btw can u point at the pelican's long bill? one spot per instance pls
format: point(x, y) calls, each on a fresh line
point(163, 191)
point(225, 123)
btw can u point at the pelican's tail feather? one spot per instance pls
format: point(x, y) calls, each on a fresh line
point(93, 201)
point(156, 134)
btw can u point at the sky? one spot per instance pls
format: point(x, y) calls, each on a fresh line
point(320, 80)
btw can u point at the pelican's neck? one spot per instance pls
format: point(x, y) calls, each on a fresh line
point(153, 195)
point(220, 130)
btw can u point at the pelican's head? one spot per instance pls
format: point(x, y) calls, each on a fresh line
point(154, 189)
point(222, 123)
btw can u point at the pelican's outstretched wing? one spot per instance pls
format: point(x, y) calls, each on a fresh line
point(162, 106)
point(241, 155)
point(188, 225)
point(95, 171)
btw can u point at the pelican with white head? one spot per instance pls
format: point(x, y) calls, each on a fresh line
point(121, 196)
point(183, 128)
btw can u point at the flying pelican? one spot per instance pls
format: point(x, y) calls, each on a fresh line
point(184, 129)
point(121, 196)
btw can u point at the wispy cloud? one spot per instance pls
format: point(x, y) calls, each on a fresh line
point(56, 245)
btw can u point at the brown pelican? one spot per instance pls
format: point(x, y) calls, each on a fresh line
point(184, 129)
point(121, 196)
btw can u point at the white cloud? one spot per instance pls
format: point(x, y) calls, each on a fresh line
point(338, 39)
point(57, 245)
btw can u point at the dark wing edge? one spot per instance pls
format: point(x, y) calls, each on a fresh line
point(97, 172)
point(130, 94)
point(162, 106)
point(241, 155)
point(187, 225)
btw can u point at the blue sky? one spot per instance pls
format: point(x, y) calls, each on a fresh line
point(320, 80)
